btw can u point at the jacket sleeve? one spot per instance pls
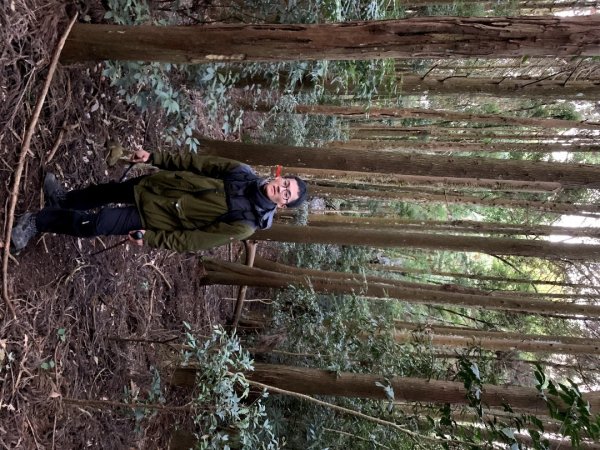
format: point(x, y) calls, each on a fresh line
point(210, 166)
point(194, 240)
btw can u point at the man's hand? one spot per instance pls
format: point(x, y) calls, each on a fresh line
point(140, 156)
point(137, 237)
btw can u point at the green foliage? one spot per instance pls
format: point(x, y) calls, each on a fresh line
point(565, 403)
point(48, 365)
point(222, 410)
point(288, 128)
point(62, 334)
point(132, 394)
point(491, 108)
point(6, 359)
point(365, 78)
point(345, 10)
point(577, 419)
point(564, 111)
point(128, 12)
point(340, 258)
point(343, 334)
point(458, 8)
point(149, 86)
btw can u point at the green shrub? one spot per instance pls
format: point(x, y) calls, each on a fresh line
point(221, 408)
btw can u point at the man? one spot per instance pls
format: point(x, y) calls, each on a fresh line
point(195, 203)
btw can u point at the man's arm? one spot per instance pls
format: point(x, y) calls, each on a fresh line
point(211, 166)
point(193, 240)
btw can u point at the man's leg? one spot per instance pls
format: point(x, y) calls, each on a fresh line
point(97, 195)
point(109, 221)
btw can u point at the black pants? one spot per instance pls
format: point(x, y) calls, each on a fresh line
point(74, 217)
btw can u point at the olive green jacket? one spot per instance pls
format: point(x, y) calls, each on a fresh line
point(180, 205)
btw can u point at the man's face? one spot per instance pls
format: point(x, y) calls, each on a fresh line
point(282, 191)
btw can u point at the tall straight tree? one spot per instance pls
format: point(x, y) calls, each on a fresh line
point(523, 343)
point(433, 114)
point(478, 278)
point(462, 134)
point(265, 264)
point(518, 340)
point(345, 384)
point(525, 87)
point(568, 175)
point(457, 226)
point(421, 197)
point(451, 146)
point(238, 274)
point(391, 239)
point(421, 180)
point(425, 37)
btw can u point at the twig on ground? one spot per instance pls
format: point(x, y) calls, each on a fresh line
point(107, 404)
point(10, 217)
point(160, 273)
point(57, 143)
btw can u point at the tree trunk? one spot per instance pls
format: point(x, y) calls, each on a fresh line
point(432, 114)
point(418, 180)
point(526, 87)
point(390, 239)
point(471, 135)
point(461, 226)
point(405, 270)
point(553, 343)
point(424, 197)
point(355, 385)
point(238, 274)
point(448, 147)
point(362, 280)
point(567, 174)
point(422, 37)
point(500, 344)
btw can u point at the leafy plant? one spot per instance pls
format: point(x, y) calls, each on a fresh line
point(222, 409)
point(149, 86)
point(153, 396)
point(567, 404)
point(48, 365)
point(62, 334)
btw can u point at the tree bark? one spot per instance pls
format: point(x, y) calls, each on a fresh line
point(345, 384)
point(424, 197)
point(567, 174)
point(432, 114)
point(592, 345)
point(526, 87)
point(494, 344)
point(362, 280)
point(419, 180)
point(419, 37)
point(460, 134)
point(447, 147)
point(237, 274)
point(462, 226)
point(405, 270)
point(390, 239)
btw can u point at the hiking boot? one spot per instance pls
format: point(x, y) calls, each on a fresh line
point(23, 231)
point(54, 193)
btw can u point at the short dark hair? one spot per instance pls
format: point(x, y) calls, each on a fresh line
point(302, 192)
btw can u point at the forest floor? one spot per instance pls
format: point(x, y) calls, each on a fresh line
point(74, 310)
